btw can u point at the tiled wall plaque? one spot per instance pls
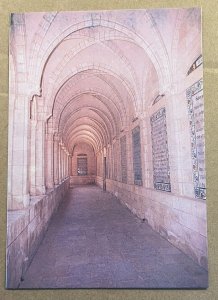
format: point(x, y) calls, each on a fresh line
point(195, 100)
point(160, 153)
point(136, 144)
point(123, 159)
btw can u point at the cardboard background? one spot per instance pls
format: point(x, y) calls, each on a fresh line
point(210, 55)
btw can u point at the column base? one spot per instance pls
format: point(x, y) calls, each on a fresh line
point(18, 202)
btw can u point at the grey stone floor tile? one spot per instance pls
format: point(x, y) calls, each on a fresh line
point(93, 241)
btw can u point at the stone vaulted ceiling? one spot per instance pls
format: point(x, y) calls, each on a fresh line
point(96, 72)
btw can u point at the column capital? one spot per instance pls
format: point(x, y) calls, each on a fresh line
point(49, 136)
point(34, 91)
point(56, 137)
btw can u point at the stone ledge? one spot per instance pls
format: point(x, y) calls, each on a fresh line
point(181, 220)
point(89, 179)
point(26, 229)
point(17, 221)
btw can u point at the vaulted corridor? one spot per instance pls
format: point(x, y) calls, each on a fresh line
point(112, 99)
point(95, 242)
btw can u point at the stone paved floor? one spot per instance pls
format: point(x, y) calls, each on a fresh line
point(95, 242)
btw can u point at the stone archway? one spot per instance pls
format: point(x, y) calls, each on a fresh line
point(102, 98)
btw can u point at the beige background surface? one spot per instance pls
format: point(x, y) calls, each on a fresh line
point(210, 54)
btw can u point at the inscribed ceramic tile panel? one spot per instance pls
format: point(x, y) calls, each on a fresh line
point(160, 153)
point(194, 96)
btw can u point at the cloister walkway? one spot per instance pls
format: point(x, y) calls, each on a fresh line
point(93, 241)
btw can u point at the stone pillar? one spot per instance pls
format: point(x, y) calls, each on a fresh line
point(66, 172)
point(62, 164)
point(146, 154)
point(104, 169)
point(56, 160)
point(37, 147)
point(70, 165)
point(40, 157)
point(59, 164)
point(18, 184)
point(130, 173)
point(179, 143)
point(49, 179)
point(32, 167)
point(65, 164)
point(109, 162)
point(66, 158)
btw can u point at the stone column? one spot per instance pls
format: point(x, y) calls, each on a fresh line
point(66, 159)
point(59, 164)
point(65, 164)
point(49, 179)
point(40, 157)
point(70, 165)
point(109, 162)
point(37, 148)
point(56, 160)
point(32, 167)
point(18, 184)
point(62, 164)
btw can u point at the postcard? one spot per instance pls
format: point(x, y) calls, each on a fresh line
point(106, 150)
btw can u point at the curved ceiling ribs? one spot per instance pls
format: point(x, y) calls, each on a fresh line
point(94, 73)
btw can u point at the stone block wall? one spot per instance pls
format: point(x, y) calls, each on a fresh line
point(99, 181)
point(172, 194)
point(25, 231)
point(181, 220)
point(74, 180)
